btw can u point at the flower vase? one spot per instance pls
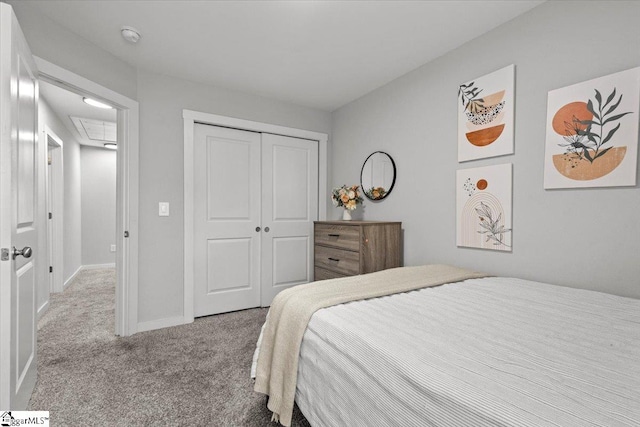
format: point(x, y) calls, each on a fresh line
point(346, 215)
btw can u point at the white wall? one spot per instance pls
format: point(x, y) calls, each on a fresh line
point(98, 166)
point(72, 257)
point(162, 100)
point(583, 238)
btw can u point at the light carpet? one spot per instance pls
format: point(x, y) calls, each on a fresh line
point(195, 374)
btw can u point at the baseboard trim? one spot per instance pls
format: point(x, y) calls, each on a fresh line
point(86, 267)
point(160, 323)
point(98, 266)
point(43, 309)
point(70, 279)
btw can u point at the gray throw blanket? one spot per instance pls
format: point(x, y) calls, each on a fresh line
point(277, 369)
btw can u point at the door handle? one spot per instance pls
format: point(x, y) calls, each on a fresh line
point(258, 229)
point(266, 229)
point(25, 252)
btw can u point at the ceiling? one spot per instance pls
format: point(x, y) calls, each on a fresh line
point(321, 54)
point(66, 104)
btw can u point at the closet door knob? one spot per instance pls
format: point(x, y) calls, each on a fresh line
point(266, 229)
point(258, 229)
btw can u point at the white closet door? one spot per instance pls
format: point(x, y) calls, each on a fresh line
point(289, 207)
point(226, 214)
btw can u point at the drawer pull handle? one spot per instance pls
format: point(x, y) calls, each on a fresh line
point(334, 259)
point(334, 235)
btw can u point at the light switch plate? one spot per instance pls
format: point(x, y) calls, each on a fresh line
point(113, 248)
point(163, 209)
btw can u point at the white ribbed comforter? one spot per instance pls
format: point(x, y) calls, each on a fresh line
point(485, 352)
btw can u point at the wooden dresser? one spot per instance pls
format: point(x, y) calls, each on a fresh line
point(348, 248)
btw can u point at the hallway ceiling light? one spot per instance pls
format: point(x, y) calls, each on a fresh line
point(130, 34)
point(111, 146)
point(95, 103)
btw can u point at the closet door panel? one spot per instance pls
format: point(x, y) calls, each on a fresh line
point(290, 205)
point(291, 192)
point(285, 250)
point(228, 184)
point(226, 213)
point(256, 197)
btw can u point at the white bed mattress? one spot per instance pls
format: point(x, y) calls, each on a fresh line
point(485, 352)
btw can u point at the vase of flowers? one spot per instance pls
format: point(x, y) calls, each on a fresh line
point(348, 198)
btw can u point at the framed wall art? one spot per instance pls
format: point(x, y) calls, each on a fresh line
point(483, 204)
point(592, 133)
point(486, 115)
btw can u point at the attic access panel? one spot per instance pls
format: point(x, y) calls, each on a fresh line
point(95, 130)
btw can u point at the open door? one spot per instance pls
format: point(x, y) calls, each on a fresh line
point(18, 214)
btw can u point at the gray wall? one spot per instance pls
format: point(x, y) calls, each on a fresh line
point(161, 100)
point(72, 243)
point(413, 118)
point(98, 205)
point(49, 40)
point(586, 238)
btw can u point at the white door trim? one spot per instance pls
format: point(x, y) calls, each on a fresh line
point(127, 187)
point(57, 206)
point(190, 118)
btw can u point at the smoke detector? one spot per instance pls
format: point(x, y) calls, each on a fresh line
point(130, 34)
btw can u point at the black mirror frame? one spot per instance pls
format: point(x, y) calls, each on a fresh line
point(392, 182)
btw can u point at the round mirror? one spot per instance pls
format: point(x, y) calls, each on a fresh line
point(378, 176)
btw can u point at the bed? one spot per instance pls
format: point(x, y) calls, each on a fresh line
point(481, 352)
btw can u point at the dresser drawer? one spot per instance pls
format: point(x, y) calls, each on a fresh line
point(338, 236)
point(337, 260)
point(322, 274)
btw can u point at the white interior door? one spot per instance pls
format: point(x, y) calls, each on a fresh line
point(226, 220)
point(55, 205)
point(18, 231)
point(50, 236)
point(289, 207)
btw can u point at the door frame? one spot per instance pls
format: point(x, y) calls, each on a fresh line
point(127, 187)
point(190, 118)
point(55, 190)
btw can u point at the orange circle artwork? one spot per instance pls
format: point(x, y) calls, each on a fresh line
point(566, 114)
point(482, 184)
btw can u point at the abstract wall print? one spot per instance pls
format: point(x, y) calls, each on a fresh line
point(484, 207)
point(485, 116)
point(592, 133)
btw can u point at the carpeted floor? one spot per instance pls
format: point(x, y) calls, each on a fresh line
point(195, 374)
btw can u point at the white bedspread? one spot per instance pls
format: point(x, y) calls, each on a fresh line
point(485, 352)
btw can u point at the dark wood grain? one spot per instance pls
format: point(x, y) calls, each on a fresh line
point(380, 247)
point(323, 274)
point(356, 247)
point(338, 260)
point(337, 236)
